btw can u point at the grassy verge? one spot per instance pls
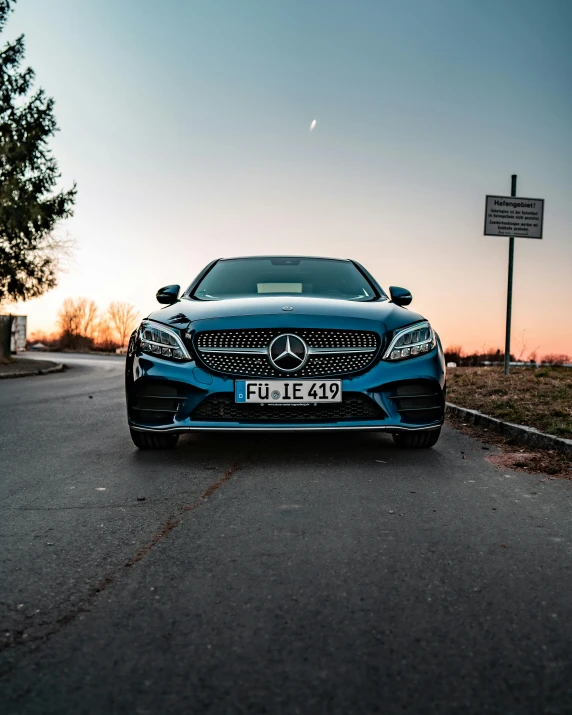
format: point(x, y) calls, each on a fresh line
point(540, 398)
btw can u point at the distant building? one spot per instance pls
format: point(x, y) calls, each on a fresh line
point(38, 346)
point(19, 331)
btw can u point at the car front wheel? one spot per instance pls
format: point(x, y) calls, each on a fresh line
point(416, 440)
point(151, 440)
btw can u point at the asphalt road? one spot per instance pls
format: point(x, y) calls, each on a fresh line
point(269, 574)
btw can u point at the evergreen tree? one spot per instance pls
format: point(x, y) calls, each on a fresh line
point(30, 205)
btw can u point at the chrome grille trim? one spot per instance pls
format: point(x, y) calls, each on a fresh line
point(235, 351)
point(245, 352)
point(264, 351)
point(339, 351)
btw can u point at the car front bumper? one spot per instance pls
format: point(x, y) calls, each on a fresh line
point(389, 385)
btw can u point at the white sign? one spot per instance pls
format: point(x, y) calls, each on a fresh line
point(513, 216)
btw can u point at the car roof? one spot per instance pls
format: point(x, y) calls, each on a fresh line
point(320, 258)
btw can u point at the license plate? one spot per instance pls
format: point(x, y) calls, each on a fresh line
point(288, 391)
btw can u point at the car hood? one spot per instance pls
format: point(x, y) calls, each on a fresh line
point(186, 311)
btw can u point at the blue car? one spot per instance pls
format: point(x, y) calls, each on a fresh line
point(284, 343)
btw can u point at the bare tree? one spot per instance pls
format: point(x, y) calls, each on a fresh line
point(123, 316)
point(77, 316)
point(67, 318)
point(104, 334)
point(533, 354)
point(77, 319)
point(454, 353)
point(522, 345)
point(556, 359)
point(88, 312)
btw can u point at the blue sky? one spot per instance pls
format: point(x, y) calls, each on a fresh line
point(185, 125)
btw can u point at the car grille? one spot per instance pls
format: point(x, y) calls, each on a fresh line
point(244, 352)
point(218, 408)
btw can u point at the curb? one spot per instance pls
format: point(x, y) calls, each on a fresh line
point(27, 373)
point(520, 433)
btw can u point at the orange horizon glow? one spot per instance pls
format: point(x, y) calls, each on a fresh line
point(484, 334)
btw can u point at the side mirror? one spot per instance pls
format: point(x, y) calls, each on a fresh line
point(400, 296)
point(168, 294)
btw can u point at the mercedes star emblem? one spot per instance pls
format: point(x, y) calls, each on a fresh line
point(288, 353)
point(287, 308)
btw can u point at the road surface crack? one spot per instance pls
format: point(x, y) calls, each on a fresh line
point(21, 636)
point(175, 519)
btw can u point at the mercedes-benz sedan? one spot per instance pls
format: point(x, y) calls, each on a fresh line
point(284, 343)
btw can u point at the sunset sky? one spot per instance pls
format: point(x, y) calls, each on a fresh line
point(186, 127)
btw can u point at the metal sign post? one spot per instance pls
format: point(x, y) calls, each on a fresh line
point(509, 289)
point(509, 216)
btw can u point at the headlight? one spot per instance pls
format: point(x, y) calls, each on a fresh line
point(156, 339)
point(409, 342)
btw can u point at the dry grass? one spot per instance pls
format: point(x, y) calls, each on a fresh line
point(540, 398)
point(514, 456)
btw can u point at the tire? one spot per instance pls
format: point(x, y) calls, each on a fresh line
point(416, 440)
point(152, 440)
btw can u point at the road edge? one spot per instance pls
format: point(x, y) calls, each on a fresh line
point(59, 367)
point(526, 435)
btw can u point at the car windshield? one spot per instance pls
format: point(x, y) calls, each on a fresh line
point(315, 277)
